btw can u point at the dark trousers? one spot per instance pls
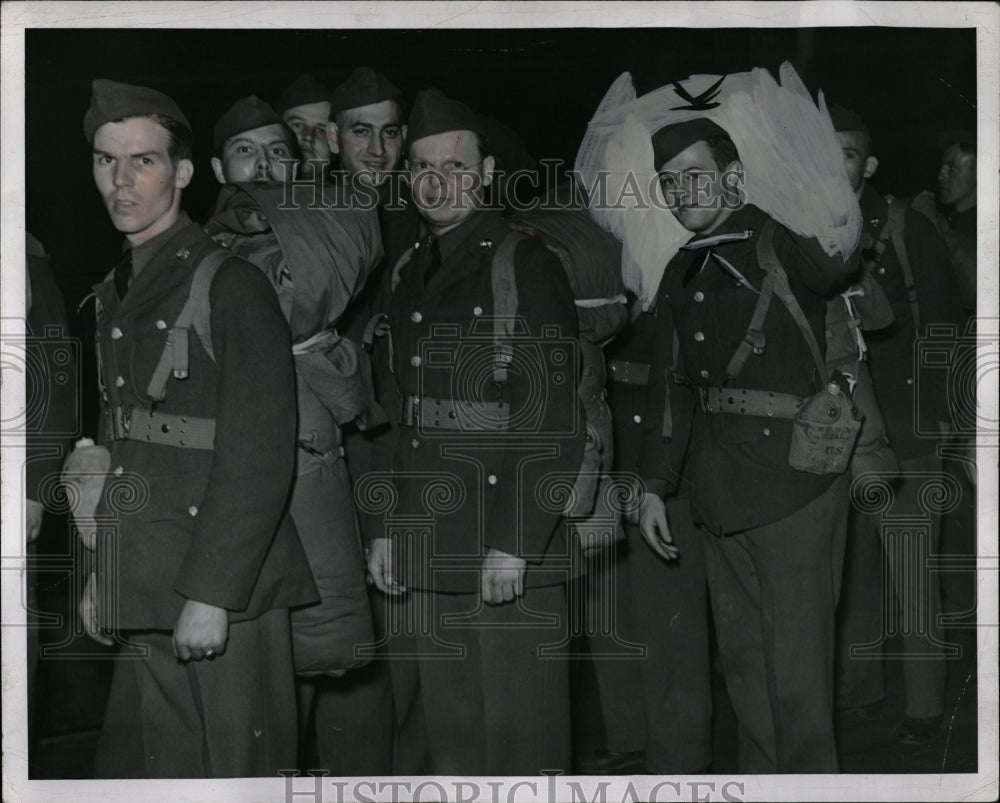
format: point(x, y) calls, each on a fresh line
point(879, 550)
point(602, 596)
point(231, 716)
point(495, 697)
point(774, 591)
point(670, 615)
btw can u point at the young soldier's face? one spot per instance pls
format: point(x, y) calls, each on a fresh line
point(138, 182)
point(369, 140)
point(699, 194)
point(860, 165)
point(957, 179)
point(308, 123)
point(262, 155)
point(448, 177)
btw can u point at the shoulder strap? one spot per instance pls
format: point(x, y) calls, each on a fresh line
point(896, 227)
point(504, 302)
point(398, 268)
point(770, 264)
point(754, 339)
point(195, 314)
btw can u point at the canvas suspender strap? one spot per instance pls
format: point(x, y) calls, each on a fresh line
point(196, 314)
point(769, 262)
point(754, 339)
point(504, 303)
point(895, 229)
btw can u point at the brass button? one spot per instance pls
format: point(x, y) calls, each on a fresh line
point(119, 471)
point(193, 510)
point(415, 361)
point(161, 324)
point(416, 317)
point(477, 311)
point(703, 373)
point(120, 382)
point(699, 296)
point(492, 479)
point(116, 333)
point(183, 254)
point(637, 419)
point(767, 431)
point(699, 336)
point(414, 443)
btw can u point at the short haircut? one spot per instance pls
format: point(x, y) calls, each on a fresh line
point(723, 150)
point(181, 143)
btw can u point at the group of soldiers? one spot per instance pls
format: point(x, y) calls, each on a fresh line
point(381, 576)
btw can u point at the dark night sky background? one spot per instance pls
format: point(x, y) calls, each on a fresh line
point(907, 83)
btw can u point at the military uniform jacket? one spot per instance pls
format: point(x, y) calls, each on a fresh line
point(738, 464)
point(200, 524)
point(913, 399)
point(471, 490)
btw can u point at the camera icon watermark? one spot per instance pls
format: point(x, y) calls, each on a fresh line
point(465, 382)
point(954, 365)
point(49, 364)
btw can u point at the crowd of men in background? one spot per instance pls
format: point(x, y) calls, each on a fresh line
point(326, 566)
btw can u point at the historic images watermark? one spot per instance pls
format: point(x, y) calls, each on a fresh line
point(517, 190)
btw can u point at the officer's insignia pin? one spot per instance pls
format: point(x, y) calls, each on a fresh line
point(183, 254)
point(486, 244)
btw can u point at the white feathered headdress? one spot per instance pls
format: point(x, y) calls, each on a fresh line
point(793, 163)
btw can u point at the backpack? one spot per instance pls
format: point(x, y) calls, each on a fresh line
point(585, 251)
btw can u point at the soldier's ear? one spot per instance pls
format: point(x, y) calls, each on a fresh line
point(871, 165)
point(333, 137)
point(489, 165)
point(183, 174)
point(220, 176)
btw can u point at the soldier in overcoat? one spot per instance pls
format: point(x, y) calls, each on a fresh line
point(198, 565)
point(475, 540)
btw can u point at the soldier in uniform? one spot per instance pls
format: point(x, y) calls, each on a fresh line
point(773, 535)
point(366, 130)
point(305, 108)
point(473, 546)
point(251, 142)
point(203, 567)
point(927, 296)
point(317, 260)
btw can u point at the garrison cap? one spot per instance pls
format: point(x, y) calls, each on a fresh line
point(956, 136)
point(672, 139)
point(111, 101)
point(363, 87)
point(245, 115)
point(304, 89)
point(435, 113)
point(847, 120)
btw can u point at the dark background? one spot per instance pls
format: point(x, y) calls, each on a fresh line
point(544, 83)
